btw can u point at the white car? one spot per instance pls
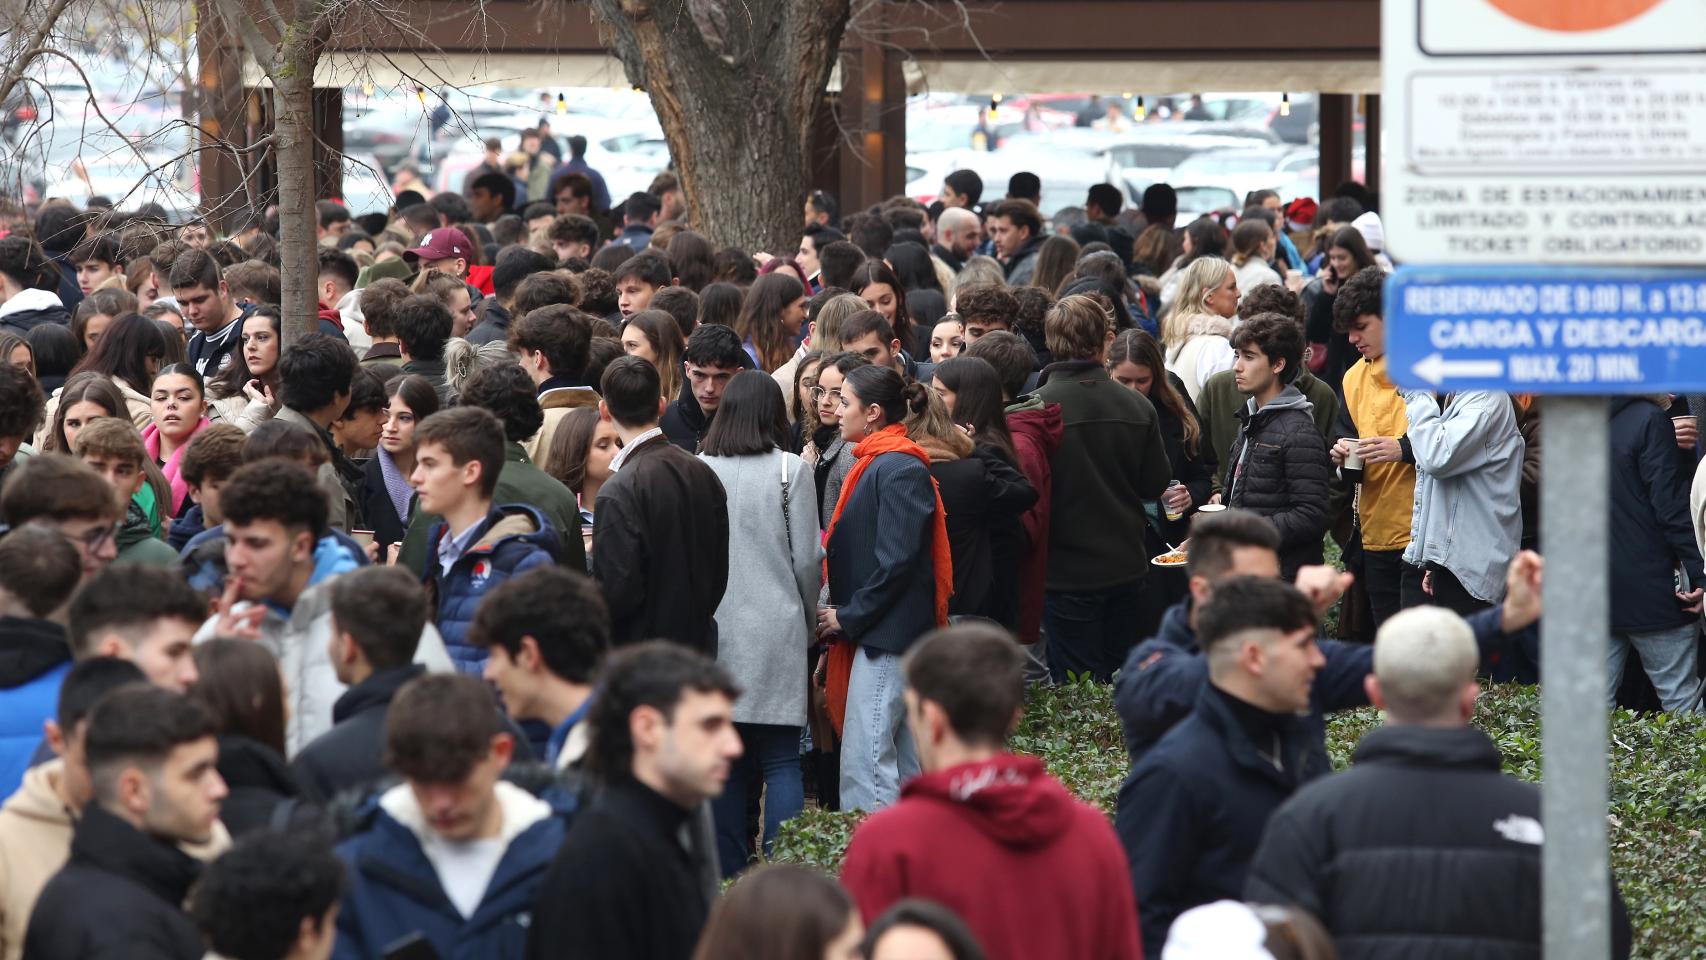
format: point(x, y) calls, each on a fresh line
point(128, 182)
point(1240, 170)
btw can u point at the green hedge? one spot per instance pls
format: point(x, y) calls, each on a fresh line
point(1658, 794)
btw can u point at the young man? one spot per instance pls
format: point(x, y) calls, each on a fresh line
point(552, 343)
point(458, 455)
point(661, 524)
point(546, 631)
point(958, 235)
point(35, 823)
point(1372, 423)
point(206, 303)
point(962, 188)
point(573, 235)
point(515, 264)
point(423, 324)
point(151, 756)
point(96, 259)
point(1219, 402)
point(638, 278)
point(452, 853)
point(64, 493)
point(378, 614)
point(142, 614)
point(281, 557)
point(1110, 461)
point(1648, 504)
point(837, 262)
point(21, 405)
point(1050, 882)
point(666, 187)
point(1280, 467)
point(985, 308)
point(315, 375)
point(820, 209)
point(812, 242)
point(634, 879)
point(1425, 801)
point(445, 248)
point(1194, 807)
point(112, 448)
point(378, 304)
point(1016, 228)
point(334, 222)
point(712, 358)
point(573, 192)
point(337, 277)
point(271, 897)
point(39, 570)
point(639, 219)
point(870, 336)
point(490, 196)
point(210, 458)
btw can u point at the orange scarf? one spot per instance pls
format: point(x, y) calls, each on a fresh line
point(890, 439)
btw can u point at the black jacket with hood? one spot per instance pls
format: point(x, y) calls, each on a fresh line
point(30, 309)
point(1278, 467)
point(1649, 510)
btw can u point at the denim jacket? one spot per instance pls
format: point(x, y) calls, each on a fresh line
point(1467, 515)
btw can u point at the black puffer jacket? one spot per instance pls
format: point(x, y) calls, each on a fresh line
point(1422, 849)
point(1278, 467)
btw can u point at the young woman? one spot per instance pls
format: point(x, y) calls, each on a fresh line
point(179, 414)
point(95, 314)
point(55, 352)
point(1057, 258)
point(580, 455)
point(770, 319)
point(829, 453)
point(947, 338)
point(240, 684)
point(84, 397)
point(690, 260)
point(884, 293)
point(453, 293)
point(1253, 245)
point(1203, 237)
point(16, 351)
point(926, 301)
point(783, 912)
point(130, 352)
point(1198, 329)
point(245, 393)
point(978, 271)
point(720, 303)
point(1347, 252)
point(654, 336)
point(387, 496)
point(802, 418)
point(920, 930)
point(767, 617)
point(890, 576)
point(984, 495)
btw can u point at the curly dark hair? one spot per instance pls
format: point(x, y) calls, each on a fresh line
point(251, 902)
point(562, 609)
point(275, 489)
point(1271, 298)
point(508, 392)
point(1361, 295)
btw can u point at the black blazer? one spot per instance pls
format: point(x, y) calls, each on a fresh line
point(376, 506)
point(879, 556)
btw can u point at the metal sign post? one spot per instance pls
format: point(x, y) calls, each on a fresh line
point(1574, 523)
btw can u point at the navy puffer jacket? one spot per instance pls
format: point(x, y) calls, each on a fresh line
point(514, 538)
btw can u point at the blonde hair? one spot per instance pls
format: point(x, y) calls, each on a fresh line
point(1196, 282)
point(1423, 658)
point(826, 336)
point(976, 272)
point(929, 425)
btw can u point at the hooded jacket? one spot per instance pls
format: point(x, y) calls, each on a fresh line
point(1280, 470)
point(1649, 510)
point(513, 539)
point(34, 658)
point(258, 780)
point(1035, 873)
point(1220, 401)
point(30, 309)
point(684, 422)
point(494, 323)
point(518, 482)
point(395, 890)
point(136, 541)
point(120, 894)
point(1023, 266)
point(1036, 430)
point(1424, 848)
point(349, 756)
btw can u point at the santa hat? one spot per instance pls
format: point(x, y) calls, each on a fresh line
point(1300, 214)
point(1372, 232)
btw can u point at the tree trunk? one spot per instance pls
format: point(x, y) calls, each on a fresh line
point(298, 223)
point(735, 86)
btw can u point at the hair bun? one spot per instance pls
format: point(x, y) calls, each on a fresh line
point(917, 397)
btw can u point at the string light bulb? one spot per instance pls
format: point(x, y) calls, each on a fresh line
point(1285, 104)
point(420, 94)
point(562, 105)
point(1139, 111)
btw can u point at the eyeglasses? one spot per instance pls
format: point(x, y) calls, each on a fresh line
point(93, 539)
point(818, 394)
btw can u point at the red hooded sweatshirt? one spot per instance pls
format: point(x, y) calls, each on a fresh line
point(1035, 873)
point(1035, 427)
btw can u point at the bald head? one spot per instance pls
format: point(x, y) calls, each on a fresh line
point(959, 230)
point(1424, 668)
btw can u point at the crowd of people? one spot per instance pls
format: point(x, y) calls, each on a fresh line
point(520, 605)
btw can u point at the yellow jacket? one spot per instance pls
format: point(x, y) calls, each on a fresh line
point(1374, 409)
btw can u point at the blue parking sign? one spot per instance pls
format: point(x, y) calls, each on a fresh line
point(1547, 330)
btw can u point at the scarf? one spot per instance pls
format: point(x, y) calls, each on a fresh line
point(396, 486)
point(890, 439)
point(173, 468)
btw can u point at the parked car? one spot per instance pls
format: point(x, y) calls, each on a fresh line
point(1284, 168)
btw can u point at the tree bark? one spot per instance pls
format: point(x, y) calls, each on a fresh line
point(298, 223)
point(735, 86)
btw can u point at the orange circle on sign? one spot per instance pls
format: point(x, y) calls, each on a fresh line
point(1575, 15)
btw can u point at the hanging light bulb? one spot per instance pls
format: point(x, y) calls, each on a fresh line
point(1139, 111)
point(562, 105)
point(1285, 104)
point(420, 94)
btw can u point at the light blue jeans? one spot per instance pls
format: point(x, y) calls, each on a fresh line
point(1670, 658)
point(877, 755)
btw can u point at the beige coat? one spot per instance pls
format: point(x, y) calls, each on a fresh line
point(35, 841)
point(556, 405)
point(141, 411)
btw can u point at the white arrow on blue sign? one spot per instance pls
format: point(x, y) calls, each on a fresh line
point(1547, 330)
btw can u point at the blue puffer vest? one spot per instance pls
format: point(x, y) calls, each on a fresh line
point(514, 538)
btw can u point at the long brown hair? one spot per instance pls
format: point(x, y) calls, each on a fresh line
point(780, 912)
point(241, 687)
point(760, 317)
point(1137, 346)
point(664, 334)
point(570, 444)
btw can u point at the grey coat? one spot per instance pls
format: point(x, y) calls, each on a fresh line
point(840, 458)
point(767, 618)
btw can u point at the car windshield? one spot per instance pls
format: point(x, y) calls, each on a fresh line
point(1229, 161)
point(1164, 155)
